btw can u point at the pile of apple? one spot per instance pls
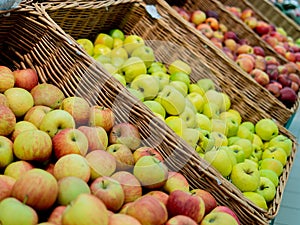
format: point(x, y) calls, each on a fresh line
point(65, 162)
point(251, 156)
point(282, 80)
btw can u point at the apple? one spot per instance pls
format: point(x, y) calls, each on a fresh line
point(245, 176)
point(6, 151)
point(69, 188)
point(258, 51)
point(179, 66)
point(26, 78)
point(211, 110)
point(87, 45)
point(7, 79)
point(101, 117)
point(48, 95)
point(20, 127)
point(238, 152)
point(218, 125)
point(215, 218)
point(36, 113)
point(122, 219)
point(275, 153)
point(191, 136)
point(130, 184)
point(203, 122)
point(124, 156)
point(177, 124)
point(157, 67)
point(257, 199)
point(226, 209)
point(131, 42)
point(119, 52)
point(162, 77)
point(96, 136)
point(42, 198)
point(104, 39)
point(144, 150)
point(56, 214)
point(26, 214)
point(148, 210)
point(56, 120)
point(284, 80)
point(198, 17)
point(86, 209)
point(205, 142)
point(283, 142)
point(160, 195)
point(260, 76)
point(180, 86)
point(136, 93)
point(33, 145)
point(272, 164)
point(266, 129)
point(120, 78)
point(101, 163)
point(209, 200)
point(109, 191)
point(274, 89)
point(133, 67)
point(246, 64)
point(125, 133)
point(175, 181)
point(147, 84)
point(288, 96)
point(150, 164)
point(156, 107)
point(188, 116)
point(145, 53)
point(220, 139)
point(271, 175)
point(266, 189)
point(16, 169)
point(72, 165)
point(3, 100)
point(196, 88)
point(180, 220)
point(6, 185)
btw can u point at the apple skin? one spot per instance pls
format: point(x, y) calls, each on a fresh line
point(185, 203)
point(125, 133)
point(130, 184)
point(17, 169)
point(43, 197)
point(260, 76)
point(145, 150)
point(3, 100)
point(176, 181)
point(6, 151)
point(148, 210)
point(288, 96)
point(7, 121)
point(20, 127)
point(266, 129)
point(266, 189)
point(86, 209)
point(123, 155)
point(7, 79)
point(96, 136)
point(101, 117)
point(180, 220)
point(26, 214)
point(215, 218)
point(283, 142)
point(109, 191)
point(33, 145)
point(36, 113)
point(209, 200)
point(69, 141)
point(198, 17)
point(56, 215)
point(227, 210)
point(26, 78)
point(160, 195)
point(6, 185)
point(257, 199)
point(122, 219)
point(276, 153)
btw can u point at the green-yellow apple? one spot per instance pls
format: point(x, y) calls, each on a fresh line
point(120, 78)
point(87, 45)
point(226, 103)
point(69, 188)
point(209, 200)
point(160, 195)
point(56, 120)
point(26, 78)
point(36, 113)
point(180, 219)
point(72, 165)
point(230, 114)
point(257, 199)
point(119, 53)
point(16, 169)
point(226, 209)
point(3, 100)
point(205, 142)
point(22, 126)
point(220, 160)
point(232, 127)
point(148, 210)
point(271, 175)
point(220, 139)
point(188, 116)
point(110, 68)
point(230, 153)
point(125, 133)
point(6, 185)
point(252, 162)
point(6, 151)
point(180, 86)
point(130, 184)
point(177, 124)
point(104, 39)
point(86, 209)
point(70, 141)
point(19, 100)
point(155, 106)
point(214, 218)
point(146, 84)
point(275, 153)
point(249, 125)
point(238, 152)
point(156, 67)
point(131, 42)
point(237, 115)
point(117, 33)
point(101, 163)
point(257, 152)
point(272, 164)
point(185, 203)
point(101, 116)
point(180, 76)
point(176, 181)
point(245, 133)
point(245, 176)
point(123, 155)
point(197, 89)
point(283, 142)
point(257, 141)
point(190, 105)
point(246, 146)
point(203, 122)
point(150, 164)
point(7, 79)
point(191, 136)
point(266, 129)
point(214, 96)
point(109, 191)
point(133, 67)
point(145, 53)
point(33, 145)
point(47, 95)
point(103, 59)
point(26, 214)
point(136, 93)
point(41, 198)
point(162, 77)
point(179, 66)
point(197, 101)
point(211, 110)
point(172, 100)
point(122, 219)
point(117, 63)
point(218, 125)
point(206, 84)
point(266, 189)
point(96, 136)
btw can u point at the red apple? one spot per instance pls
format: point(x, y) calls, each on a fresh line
point(246, 13)
point(246, 64)
point(272, 71)
point(212, 22)
point(262, 28)
point(184, 14)
point(123, 155)
point(260, 63)
point(198, 17)
point(291, 67)
point(270, 40)
point(226, 209)
point(205, 29)
point(7, 120)
point(96, 136)
point(26, 78)
point(290, 56)
point(102, 117)
point(251, 22)
point(6, 185)
point(246, 49)
point(36, 113)
point(288, 96)
point(271, 60)
point(297, 57)
point(176, 181)
point(284, 80)
point(143, 151)
point(231, 35)
point(295, 86)
point(180, 220)
point(274, 89)
point(257, 50)
point(212, 13)
point(278, 36)
point(209, 200)
point(122, 219)
point(280, 50)
point(17, 169)
point(294, 77)
point(56, 215)
point(260, 76)
point(160, 195)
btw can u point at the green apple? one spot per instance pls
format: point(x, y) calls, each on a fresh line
point(180, 76)
point(232, 127)
point(146, 84)
point(191, 136)
point(179, 66)
point(245, 176)
point(145, 53)
point(131, 42)
point(116, 62)
point(102, 59)
point(203, 122)
point(195, 88)
point(117, 33)
point(266, 189)
point(101, 49)
point(257, 141)
point(155, 106)
point(206, 84)
point(246, 146)
point(249, 125)
point(232, 140)
point(231, 154)
point(216, 218)
point(119, 52)
point(111, 69)
point(220, 139)
point(206, 141)
point(190, 105)
point(283, 142)
point(238, 152)
point(220, 160)
point(6, 151)
point(271, 175)
point(87, 45)
point(266, 129)
point(214, 96)
point(176, 124)
point(252, 162)
point(218, 125)
point(156, 67)
point(120, 78)
point(133, 67)
point(257, 151)
point(226, 103)
point(272, 164)
point(211, 110)
point(237, 115)
point(275, 153)
point(104, 39)
point(232, 115)
point(136, 93)
point(244, 132)
point(188, 116)
point(257, 199)
point(172, 100)
point(162, 77)
point(180, 86)
point(197, 100)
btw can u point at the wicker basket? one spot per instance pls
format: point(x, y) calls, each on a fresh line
point(277, 17)
point(133, 18)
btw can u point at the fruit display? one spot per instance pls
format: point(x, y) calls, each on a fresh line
point(250, 155)
point(88, 168)
point(282, 80)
